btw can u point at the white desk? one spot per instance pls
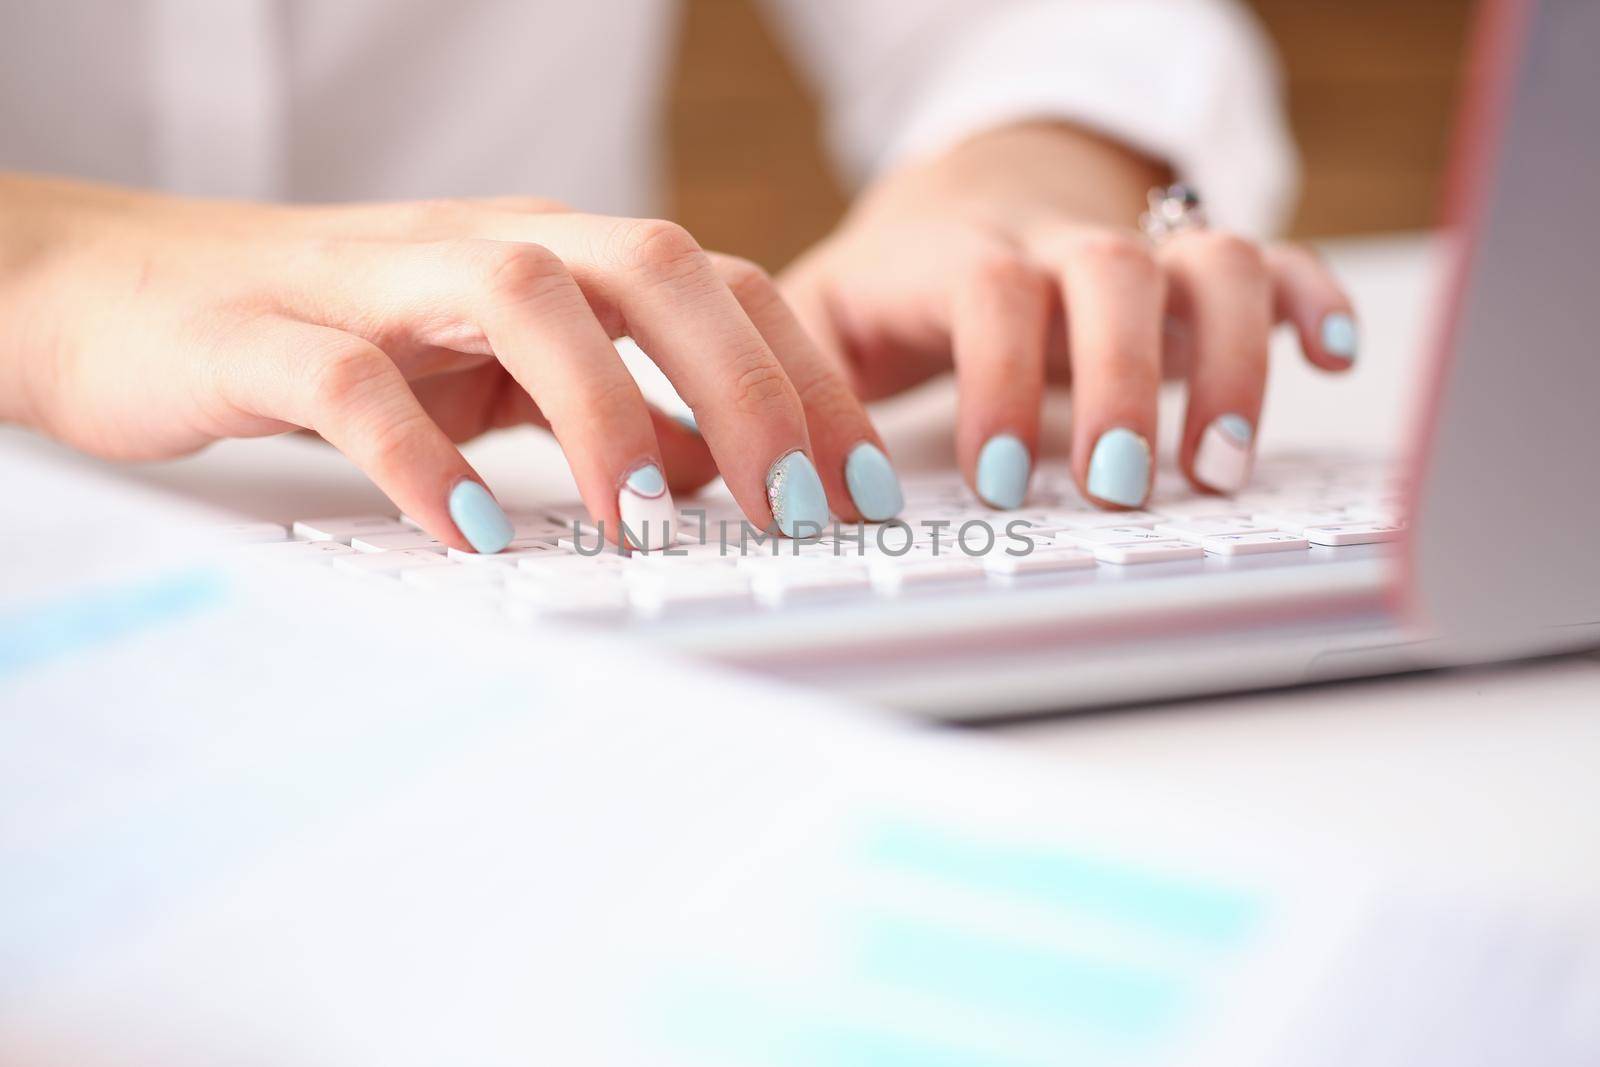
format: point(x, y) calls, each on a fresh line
point(1498, 763)
point(1460, 781)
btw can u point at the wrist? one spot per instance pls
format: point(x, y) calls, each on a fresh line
point(1014, 175)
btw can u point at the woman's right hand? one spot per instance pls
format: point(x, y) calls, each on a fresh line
point(139, 326)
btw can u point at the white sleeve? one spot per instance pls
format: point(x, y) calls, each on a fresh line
point(1193, 83)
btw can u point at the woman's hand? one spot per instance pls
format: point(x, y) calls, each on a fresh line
point(139, 326)
point(1015, 257)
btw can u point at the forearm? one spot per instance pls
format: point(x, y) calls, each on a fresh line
point(24, 245)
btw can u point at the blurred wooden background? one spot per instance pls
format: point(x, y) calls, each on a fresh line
point(1371, 83)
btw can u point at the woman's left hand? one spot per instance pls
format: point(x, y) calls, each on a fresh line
point(1014, 258)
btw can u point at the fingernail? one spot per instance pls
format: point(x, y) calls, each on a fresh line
point(1340, 338)
point(1003, 468)
point(873, 484)
point(1119, 468)
point(479, 518)
point(646, 510)
point(795, 494)
point(687, 421)
point(1223, 459)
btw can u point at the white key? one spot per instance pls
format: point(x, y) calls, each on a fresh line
point(559, 562)
point(395, 542)
point(346, 527)
point(657, 589)
point(774, 585)
point(1042, 560)
point(537, 596)
point(762, 560)
point(1354, 533)
point(449, 579)
point(389, 563)
point(1089, 520)
point(299, 551)
point(1382, 514)
point(510, 556)
point(1251, 544)
point(1147, 552)
point(1108, 535)
point(889, 575)
point(1296, 521)
point(253, 533)
point(1197, 530)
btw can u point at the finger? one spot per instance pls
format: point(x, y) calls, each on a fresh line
point(1114, 295)
point(856, 473)
point(351, 393)
point(1220, 290)
point(517, 302)
point(541, 328)
point(1307, 295)
point(683, 315)
point(1000, 317)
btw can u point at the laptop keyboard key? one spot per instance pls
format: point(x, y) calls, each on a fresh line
point(344, 528)
point(389, 563)
point(1160, 551)
point(1251, 544)
point(1042, 560)
point(1354, 533)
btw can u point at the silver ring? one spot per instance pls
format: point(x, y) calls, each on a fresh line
point(1173, 209)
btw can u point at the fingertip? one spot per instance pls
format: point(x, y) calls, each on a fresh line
point(1338, 340)
point(479, 518)
point(1119, 470)
point(874, 487)
point(1003, 469)
point(1223, 456)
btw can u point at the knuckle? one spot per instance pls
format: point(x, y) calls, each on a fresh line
point(760, 387)
point(749, 282)
point(613, 401)
point(657, 247)
point(346, 378)
point(1121, 253)
point(439, 215)
point(397, 443)
point(1231, 255)
point(355, 409)
point(533, 205)
point(516, 271)
point(1126, 373)
point(1002, 270)
point(827, 397)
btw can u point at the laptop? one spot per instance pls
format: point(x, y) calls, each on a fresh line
point(1478, 545)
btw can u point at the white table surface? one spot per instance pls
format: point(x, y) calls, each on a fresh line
point(1499, 763)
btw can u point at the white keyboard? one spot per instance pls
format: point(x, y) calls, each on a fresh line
point(1300, 511)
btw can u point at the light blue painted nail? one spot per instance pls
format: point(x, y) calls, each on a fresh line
point(1003, 468)
point(1119, 468)
point(647, 481)
point(873, 484)
point(479, 518)
point(795, 494)
point(686, 419)
point(1340, 338)
point(1235, 426)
